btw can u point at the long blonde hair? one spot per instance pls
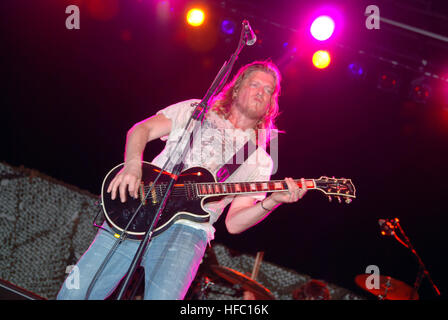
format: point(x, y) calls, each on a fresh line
point(222, 103)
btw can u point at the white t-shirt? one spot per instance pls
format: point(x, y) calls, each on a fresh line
point(215, 143)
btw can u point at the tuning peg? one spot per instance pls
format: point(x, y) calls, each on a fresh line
point(348, 200)
point(339, 199)
point(329, 198)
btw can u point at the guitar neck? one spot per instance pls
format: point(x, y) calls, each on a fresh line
point(223, 188)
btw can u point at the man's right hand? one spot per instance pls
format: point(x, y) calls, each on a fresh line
point(127, 179)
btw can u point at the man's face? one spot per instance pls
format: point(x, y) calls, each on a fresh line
point(254, 95)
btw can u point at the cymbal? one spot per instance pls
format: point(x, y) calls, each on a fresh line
point(390, 288)
point(246, 282)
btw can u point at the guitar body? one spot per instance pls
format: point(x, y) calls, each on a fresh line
point(183, 202)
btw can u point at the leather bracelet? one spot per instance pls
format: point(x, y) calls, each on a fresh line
point(261, 204)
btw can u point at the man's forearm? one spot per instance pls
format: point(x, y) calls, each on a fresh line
point(136, 140)
point(245, 218)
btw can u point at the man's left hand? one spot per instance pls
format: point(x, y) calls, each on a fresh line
point(293, 194)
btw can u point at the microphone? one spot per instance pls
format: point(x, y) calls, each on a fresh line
point(250, 35)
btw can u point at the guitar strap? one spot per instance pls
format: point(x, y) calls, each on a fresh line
point(234, 163)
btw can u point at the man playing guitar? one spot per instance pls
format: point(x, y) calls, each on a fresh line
point(246, 108)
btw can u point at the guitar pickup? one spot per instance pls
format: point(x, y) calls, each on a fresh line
point(143, 195)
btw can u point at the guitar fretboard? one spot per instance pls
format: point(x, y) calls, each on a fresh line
point(205, 189)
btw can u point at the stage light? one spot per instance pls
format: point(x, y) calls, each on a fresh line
point(356, 70)
point(388, 81)
point(195, 17)
point(291, 49)
point(420, 90)
point(322, 28)
point(228, 27)
point(321, 59)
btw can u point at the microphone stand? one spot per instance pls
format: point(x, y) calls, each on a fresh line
point(423, 272)
point(198, 116)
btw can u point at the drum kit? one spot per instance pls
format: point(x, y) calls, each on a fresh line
point(385, 287)
point(211, 273)
point(388, 289)
point(246, 283)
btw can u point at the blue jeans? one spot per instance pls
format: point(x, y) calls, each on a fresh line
point(170, 262)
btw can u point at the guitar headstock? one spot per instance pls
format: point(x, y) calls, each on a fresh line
point(338, 188)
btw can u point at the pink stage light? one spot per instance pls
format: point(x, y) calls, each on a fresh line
point(322, 28)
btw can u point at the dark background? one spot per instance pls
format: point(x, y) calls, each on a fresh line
point(71, 95)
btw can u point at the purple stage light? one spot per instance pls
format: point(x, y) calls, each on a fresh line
point(228, 27)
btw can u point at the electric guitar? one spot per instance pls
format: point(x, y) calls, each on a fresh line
point(193, 188)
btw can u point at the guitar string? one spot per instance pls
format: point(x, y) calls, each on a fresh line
point(227, 186)
point(245, 185)
point(240, 185)
point(230, 187)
